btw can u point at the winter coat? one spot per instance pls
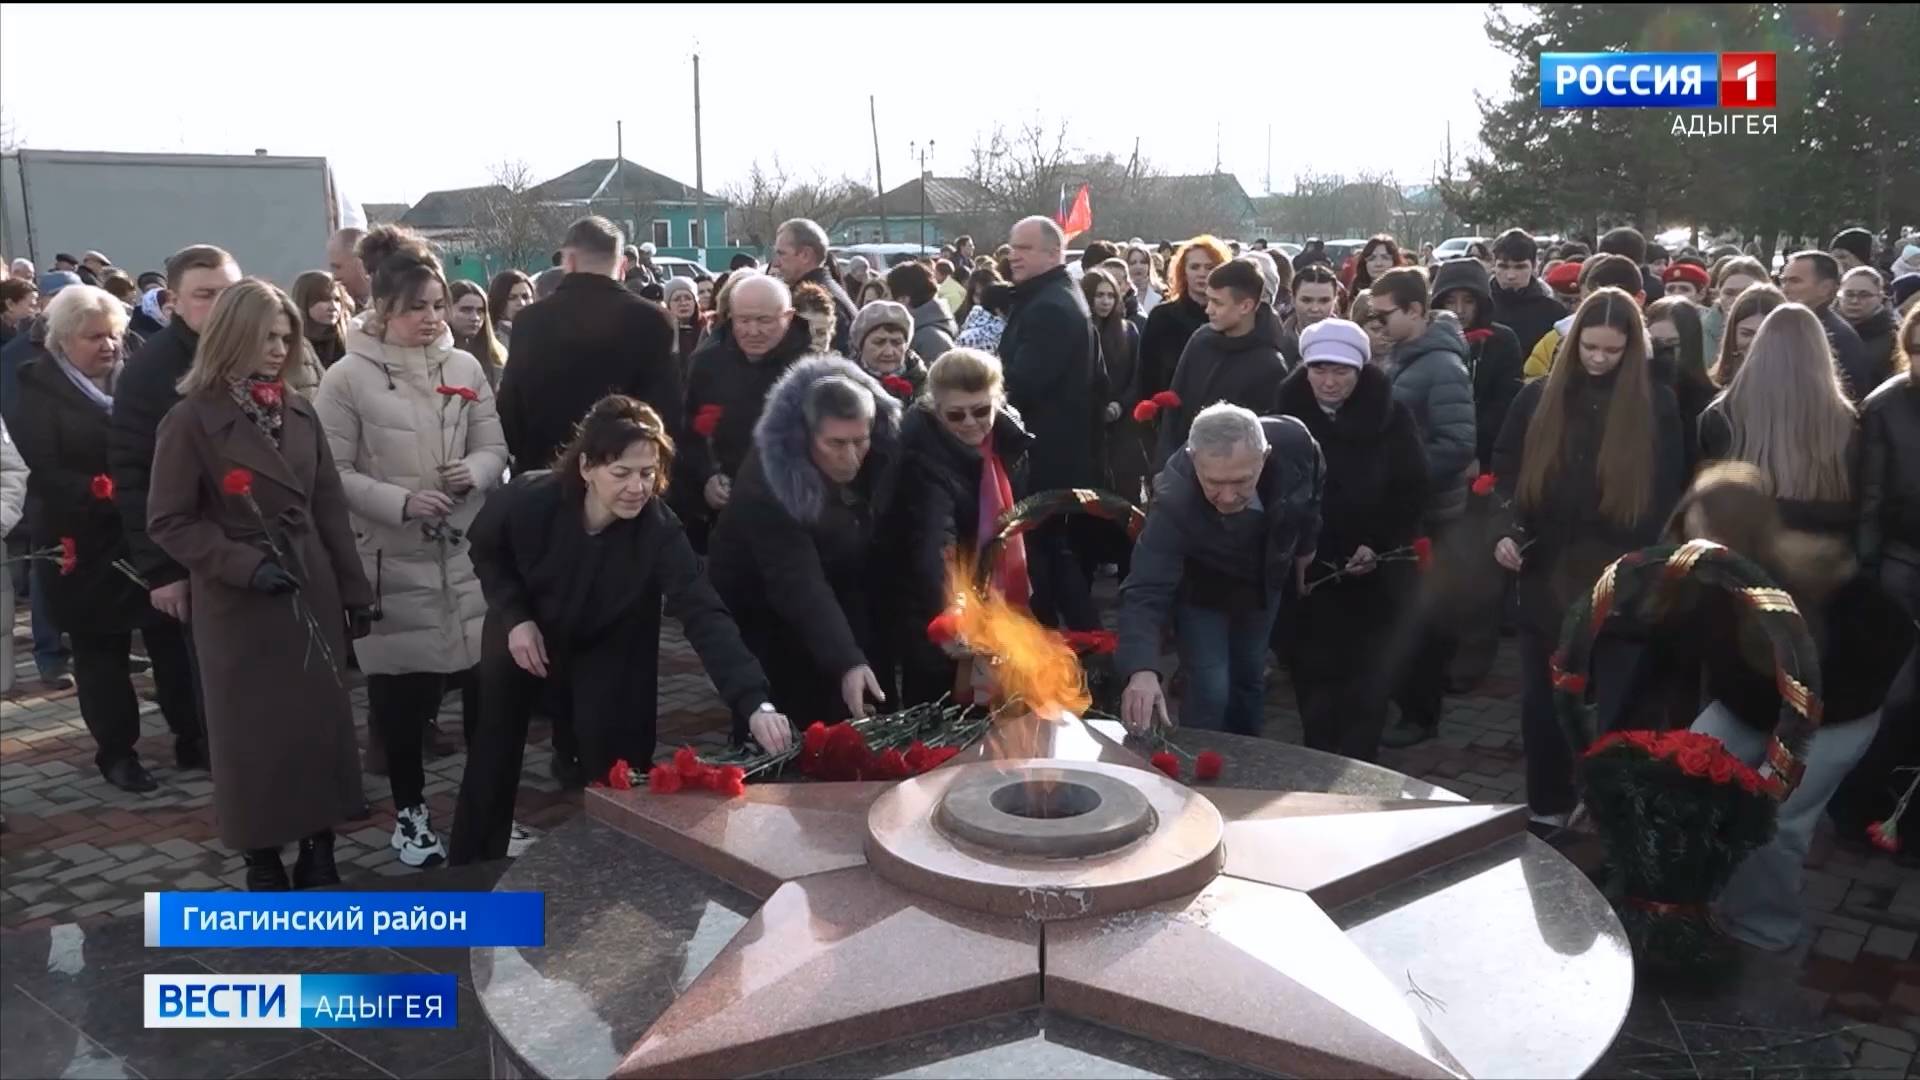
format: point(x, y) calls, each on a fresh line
point(1050, 358)
point(1568, 540)
point(1245, 370)
point(388, 430)
point(589, 339)
point(590, 597)
point(1836, 518)
point(1863, 375)
point(30, 343)
point(1496, 359)
point(720, 376)
point(951, 293)
point(843, 308)
point(1179, 554)
point(1528, 312)
point(13, 484)
point(1376, 487)
point(936, 510)
point(1540, 360)
point(1128, 445)
point(145, 394)
point(1889, 483)
point(61, 434)
point(279, 722)
point(327, 350)
point(913, 369)
point(933, 330)
point(1430, 378)
point(1169, 326)
point(794, 555)
point(139, 322)
point(1876, 333)
point(982, 331)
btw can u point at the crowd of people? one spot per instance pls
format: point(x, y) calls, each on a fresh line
point(1365, 471)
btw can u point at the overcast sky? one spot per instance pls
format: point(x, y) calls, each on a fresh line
point(403, 100)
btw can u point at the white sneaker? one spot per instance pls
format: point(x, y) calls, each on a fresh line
point(519, 840)
point(415, 840)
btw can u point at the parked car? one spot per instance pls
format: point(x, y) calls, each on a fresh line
point(1339, 250)
point(884, 255)
point(1455, 247)
point(670, 266)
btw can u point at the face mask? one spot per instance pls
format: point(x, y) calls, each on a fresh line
point(1667, 354)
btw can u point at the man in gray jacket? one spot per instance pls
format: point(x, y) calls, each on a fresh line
point(1428, 367)
point(1235, 518)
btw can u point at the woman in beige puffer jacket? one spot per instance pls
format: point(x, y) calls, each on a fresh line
point(411, 423)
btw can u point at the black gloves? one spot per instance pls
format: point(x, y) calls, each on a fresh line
point(272, 578)
point(360, 622)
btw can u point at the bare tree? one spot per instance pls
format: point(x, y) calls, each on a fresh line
point(512, 225)
point(1023, 171)
point(770, 195)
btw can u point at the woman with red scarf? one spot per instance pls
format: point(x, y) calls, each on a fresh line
point(964, 463)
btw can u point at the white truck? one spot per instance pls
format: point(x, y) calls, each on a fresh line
point(273, 213)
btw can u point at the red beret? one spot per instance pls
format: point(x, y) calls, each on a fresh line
point(1564, 278)
point(1687, 272)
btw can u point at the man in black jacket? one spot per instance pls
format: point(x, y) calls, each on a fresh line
point(800, 255)
point(196, 276)
point(1522, 302)
point(590, 339)
point(1236, 357)
point(1048, 351)
point(1813, 278)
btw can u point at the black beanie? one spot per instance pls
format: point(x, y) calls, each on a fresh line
point(1856, 241)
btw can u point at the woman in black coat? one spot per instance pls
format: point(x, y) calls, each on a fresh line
point(794, 555)
point(1351, 628)
point(570, 560)
point(1178, 317)
point(952, 443)
point(1589, 463)
point(59, 420)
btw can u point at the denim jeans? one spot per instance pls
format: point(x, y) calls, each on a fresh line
point(49, 651)
point(1224, 657)
point(1761, 903)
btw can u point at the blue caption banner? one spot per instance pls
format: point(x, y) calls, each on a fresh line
point(1629, 80)
point(453, 920)
point(306, 1001)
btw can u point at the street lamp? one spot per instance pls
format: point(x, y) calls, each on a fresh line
point(922, 152)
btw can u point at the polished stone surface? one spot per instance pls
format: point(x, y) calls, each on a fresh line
point(1179, 856)
point(789, 986)
point(1374, 986)
point(1060, 813)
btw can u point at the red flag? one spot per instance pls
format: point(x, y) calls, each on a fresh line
point(1079, 218)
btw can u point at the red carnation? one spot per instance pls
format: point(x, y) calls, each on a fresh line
point(897, 386)
point(893, 765)
point(1144, 412)
point(468, 393)
point(1423, 554)
point(447, 391)
point(237, 482)
point(1475, 337)
point(916, 757)
point(102, 487)
point(1166, 763)
point(706, 420)
point(662, 780)
point(265, 394)
point(730, 780)
point(1097, 642)
point(1695, 761)
point(1645, 740)
point(1208, 765)
point(1484, 483)
point(620, 777)
point(1885, 835)
point(1723, 769)
point(1167, 399)
point(814, 739)
point(944, 629)
point(688, 764)
point(69, 555)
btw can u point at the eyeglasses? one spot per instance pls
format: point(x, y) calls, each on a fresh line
point(1377, 317)
point(1858, 296)
point(959, 416)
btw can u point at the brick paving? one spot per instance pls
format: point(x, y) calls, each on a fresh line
point(77, 850)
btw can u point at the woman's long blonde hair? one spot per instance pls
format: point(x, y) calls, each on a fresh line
point(236, 334)
point(1789, 414)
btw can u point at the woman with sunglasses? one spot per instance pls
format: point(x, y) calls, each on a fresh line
point(964, 463)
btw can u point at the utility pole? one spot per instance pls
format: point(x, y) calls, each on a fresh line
point(922, 152)
point(1216, 148)
point(879, 185)
point(1269, 159)
point(699, 175)
point(619, 166)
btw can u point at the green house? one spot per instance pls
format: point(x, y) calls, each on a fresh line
point(647, 205)
point(952, 206)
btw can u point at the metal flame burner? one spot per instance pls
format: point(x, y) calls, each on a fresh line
point(1049, 812)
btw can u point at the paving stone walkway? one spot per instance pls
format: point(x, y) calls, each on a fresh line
point(77, 850)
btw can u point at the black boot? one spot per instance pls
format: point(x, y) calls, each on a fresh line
point(264, 872)
point(315, 866)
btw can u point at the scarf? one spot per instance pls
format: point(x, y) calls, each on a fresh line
point(263, 400)
point(150, 306)
point(102, 398)
point(996, 498)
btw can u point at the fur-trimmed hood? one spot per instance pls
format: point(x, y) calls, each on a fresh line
point(781, 439)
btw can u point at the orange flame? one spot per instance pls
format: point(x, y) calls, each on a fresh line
point(1030, 661)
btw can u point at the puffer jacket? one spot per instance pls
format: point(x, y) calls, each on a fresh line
point(1890, 474)
point(1430, 378)
point(389, 427)
point(933, 330)
point(13, 484)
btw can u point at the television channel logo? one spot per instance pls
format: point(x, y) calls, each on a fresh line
point(300, 1001)
point(1673, 80)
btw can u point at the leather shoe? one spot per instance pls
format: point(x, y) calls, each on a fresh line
point(191, 754)
point(314, 866)
point(265, 872)
point(571, 775)
point(128, 774)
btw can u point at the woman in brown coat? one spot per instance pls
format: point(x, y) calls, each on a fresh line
point(276, 583)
